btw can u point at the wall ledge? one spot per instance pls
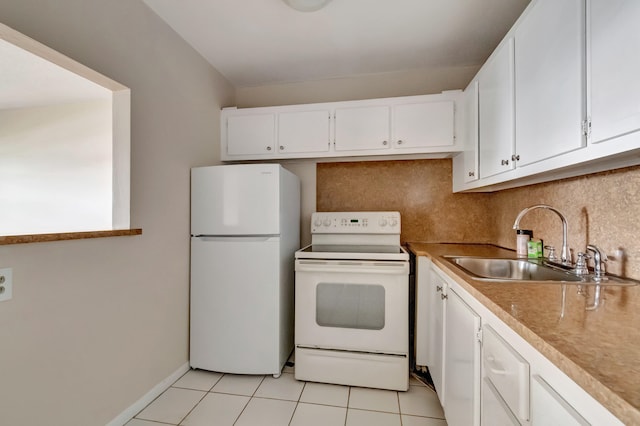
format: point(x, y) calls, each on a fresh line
point(43, 238)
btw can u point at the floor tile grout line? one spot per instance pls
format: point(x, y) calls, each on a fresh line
point(193, 408)
point(249, 400)
point(297, 403)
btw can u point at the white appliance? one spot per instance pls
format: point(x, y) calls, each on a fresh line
point(245, 228)
point(352, 302)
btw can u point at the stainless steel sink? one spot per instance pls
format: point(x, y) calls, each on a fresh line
point(496, 269)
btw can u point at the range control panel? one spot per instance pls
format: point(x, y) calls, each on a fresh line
point(355, 223)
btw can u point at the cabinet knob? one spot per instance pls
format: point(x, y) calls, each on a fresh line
point(268, 148)
point(400, 142)
point(438, 288)
point(281, 148)
point(504, 162)
point(443, 296)
point(384, 142)
point(471, 174)
point(515, 157)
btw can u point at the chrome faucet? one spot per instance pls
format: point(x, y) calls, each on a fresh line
point(565, 254)
point(599, 258)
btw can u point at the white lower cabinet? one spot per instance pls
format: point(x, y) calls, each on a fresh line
point(438, 287)
point(462, 362)
point(500, 381)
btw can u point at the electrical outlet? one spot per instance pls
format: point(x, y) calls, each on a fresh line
point(6, 284)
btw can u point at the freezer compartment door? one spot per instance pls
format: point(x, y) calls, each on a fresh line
point(235, 200)
point(237, 323)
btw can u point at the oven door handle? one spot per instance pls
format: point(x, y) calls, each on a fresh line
point(376, 267)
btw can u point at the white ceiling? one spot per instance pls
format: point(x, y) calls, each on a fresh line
point(259, 42)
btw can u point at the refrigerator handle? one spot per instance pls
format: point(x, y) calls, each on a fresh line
point(239, 238)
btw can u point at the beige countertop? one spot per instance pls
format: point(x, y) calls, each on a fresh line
point(599, 349)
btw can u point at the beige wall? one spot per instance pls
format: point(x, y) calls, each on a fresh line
point(95, 324)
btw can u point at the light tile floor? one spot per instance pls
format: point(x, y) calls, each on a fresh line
point(202, 398)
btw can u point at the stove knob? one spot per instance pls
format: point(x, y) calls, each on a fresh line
point(327, 222)
point(383, 222)
point(394, 222)
point(317, 222)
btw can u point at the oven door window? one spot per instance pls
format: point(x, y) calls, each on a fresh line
point(356, 306)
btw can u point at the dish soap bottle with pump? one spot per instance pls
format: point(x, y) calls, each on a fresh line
point(522, 238)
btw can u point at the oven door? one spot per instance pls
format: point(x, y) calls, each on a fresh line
point(352, 305)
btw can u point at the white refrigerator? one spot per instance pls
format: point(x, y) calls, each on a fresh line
point(245, 228)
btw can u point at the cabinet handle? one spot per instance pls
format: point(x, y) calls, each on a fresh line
point(471, 174)
point(281, 148)
point(400, 142)
point(443, 296)
point(515, 158)
point(384, 142)
point(268, 148)
point(438, 288)
point(504, 162)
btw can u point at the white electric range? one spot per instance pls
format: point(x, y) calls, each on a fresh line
point(352, 302)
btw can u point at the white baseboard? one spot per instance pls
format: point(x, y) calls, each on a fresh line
point(122, 418)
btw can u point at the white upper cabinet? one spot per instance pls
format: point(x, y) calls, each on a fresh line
point(303, 131)
point(550, 80)
point(496, 111)
point(465, 164)
point(362, 128)
point(470, 132)
point(250, 135)
point(614, 68)
point(421, 125)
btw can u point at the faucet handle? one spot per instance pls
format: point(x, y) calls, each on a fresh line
point(581, 264)
point(551, 253)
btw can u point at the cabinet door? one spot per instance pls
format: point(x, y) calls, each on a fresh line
point(436, 335)
point(550, 82)
point(614, 68)
point(549, 408)
point(496, 110)
point(425, 300)
point(470, 132)
point(362, 128)
point(303, 131)
point(423, 125)
point(462, 363)
point(251, 134)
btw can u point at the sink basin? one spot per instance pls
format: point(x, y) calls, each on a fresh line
point(510, 269)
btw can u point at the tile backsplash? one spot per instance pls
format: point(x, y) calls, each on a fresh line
point(601, 209)
point(419, 189)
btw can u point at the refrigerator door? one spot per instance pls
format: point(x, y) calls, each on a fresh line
point(235, 305)
point(235, 200)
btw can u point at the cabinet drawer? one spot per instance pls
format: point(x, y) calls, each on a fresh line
point(507, 371)
point(549, 408)
point(494, 410)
